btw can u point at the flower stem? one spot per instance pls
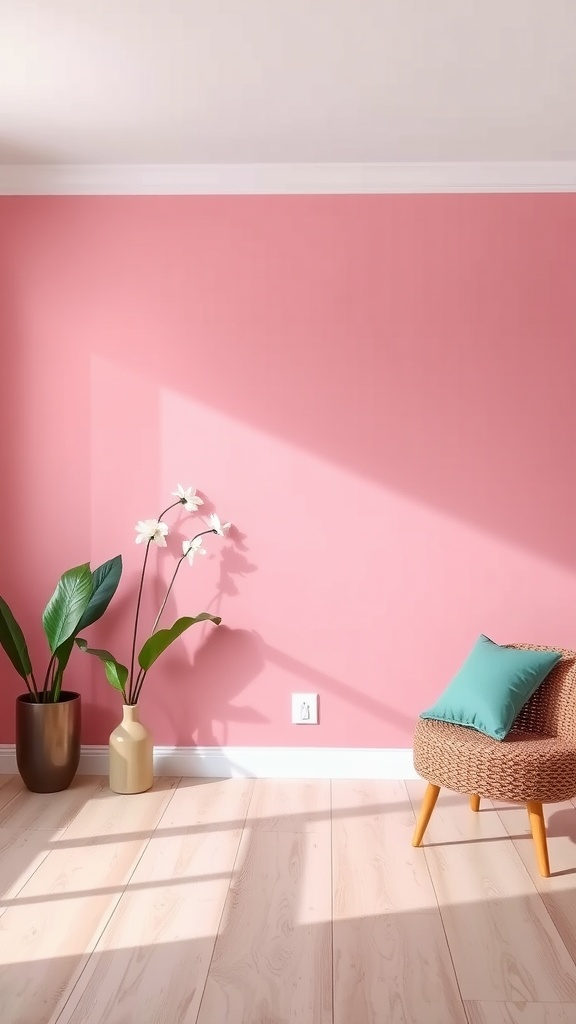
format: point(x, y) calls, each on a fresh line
point(131, 684)
point(139, 685)
point(135, 691)
point(173, 505)
point(171, 584)
point(135, 633)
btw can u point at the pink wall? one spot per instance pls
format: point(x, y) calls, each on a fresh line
point(377, 390)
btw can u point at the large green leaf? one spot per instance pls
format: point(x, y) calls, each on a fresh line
point(105, 580)
point(13, 642)
point(116, 673)
point(158, 642)
point(67, 605)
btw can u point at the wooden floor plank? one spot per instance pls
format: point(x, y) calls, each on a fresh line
point(273, 959)
point(521, 1013)
point(503, 942)
point(194, 806)
point(153, 957)
point(108, 816)
point(290, 805)
point(391, 959)
point(21, 853)
point(10, 786)
point(559, 891)
point(49, 932)
point(47, 810)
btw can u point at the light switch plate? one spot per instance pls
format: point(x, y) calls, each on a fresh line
point(305, 708)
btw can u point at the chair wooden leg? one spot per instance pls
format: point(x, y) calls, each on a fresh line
point(536, 815)
point(474, 802)
point(430, 798)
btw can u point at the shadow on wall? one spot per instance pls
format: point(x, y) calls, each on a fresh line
point(325, 684)
point(425, 342)
point(226, 662)
point(223, 666)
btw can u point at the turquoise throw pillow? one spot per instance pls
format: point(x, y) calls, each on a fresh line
point(492, 687)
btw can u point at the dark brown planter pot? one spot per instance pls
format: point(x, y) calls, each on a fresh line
point(48, 742)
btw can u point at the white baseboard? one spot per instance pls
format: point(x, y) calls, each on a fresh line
point(254, 762)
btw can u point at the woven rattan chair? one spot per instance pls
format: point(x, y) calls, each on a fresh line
point(535, 764)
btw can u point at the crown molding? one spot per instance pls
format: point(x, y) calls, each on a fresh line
point(253, 762)
point(285, 179)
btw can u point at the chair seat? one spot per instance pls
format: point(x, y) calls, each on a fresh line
point(525, 766)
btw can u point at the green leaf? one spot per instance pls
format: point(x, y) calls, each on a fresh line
point(116, 673)
point(157, 643)
point(67, 605)
point(62, 654)
point(13, 642)
point(105, 580)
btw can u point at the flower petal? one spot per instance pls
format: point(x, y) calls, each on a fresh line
point(216, 525)
point(192, 504)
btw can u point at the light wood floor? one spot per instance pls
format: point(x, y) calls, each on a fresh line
point(269, 902)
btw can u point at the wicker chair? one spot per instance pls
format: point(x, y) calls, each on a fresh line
point(535, 764)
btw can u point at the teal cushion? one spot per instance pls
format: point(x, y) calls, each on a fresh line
point(492, 687)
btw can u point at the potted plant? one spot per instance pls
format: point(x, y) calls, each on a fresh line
point(48, 717)
point(131, 765)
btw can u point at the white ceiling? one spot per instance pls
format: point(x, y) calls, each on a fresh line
point(235, 81)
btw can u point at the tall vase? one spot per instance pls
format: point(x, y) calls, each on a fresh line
point(131, 754)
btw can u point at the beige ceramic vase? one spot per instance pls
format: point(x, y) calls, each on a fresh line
point(131, 754)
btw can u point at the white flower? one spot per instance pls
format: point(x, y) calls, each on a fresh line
point(216, 525)
point(151, 529)
point(192, 548)
point(188, 498)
